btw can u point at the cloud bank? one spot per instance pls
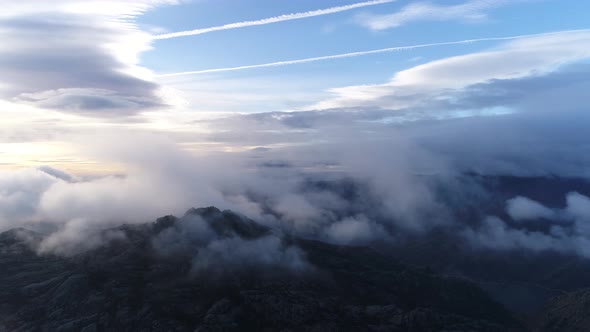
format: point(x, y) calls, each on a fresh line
point(77, 57)
point(437, 80)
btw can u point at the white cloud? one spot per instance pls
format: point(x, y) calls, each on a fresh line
point(495, 233)
point(357, 230)
point(568, 228)
point(470, 11)
point(522, 208)
point(20, 192)
point(578, 207)
point(518, 58)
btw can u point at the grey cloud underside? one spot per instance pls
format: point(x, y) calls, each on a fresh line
point(61, 62)
point(543, 131)
point(550, 92)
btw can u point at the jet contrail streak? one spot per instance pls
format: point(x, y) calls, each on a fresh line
point(355, 54)
point(270, 20)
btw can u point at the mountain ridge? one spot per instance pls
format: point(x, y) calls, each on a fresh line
point(129, 284)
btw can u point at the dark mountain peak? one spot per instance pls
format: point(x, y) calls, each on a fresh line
point(19, 235)
point(164, 223)
point(227, 223)
point(205, 212)
point(15, 232)
point(144, 281)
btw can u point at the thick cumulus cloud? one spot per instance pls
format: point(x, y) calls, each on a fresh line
point(353, 190)
point(375, 195)
point(77, 56)
point(567, 231)
point(20, 192)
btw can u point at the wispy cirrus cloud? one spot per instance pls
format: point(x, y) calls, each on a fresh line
point(271, 20)
point(471, 11)
point(360, 53)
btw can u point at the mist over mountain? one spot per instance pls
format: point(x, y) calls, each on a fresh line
point(214, 270)
point(165, 276)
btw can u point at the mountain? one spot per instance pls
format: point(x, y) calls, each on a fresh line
point(173, 275)
point(567, 313)
point(522, 280)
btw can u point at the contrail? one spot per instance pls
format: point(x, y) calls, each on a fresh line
point(270, 20)
point(361, 53)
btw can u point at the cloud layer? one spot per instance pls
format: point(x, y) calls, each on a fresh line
point(77, 57)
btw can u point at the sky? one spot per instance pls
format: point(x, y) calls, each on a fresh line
point(166, 66)
point(147, 107)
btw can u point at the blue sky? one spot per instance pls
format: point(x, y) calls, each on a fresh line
point(328, 35)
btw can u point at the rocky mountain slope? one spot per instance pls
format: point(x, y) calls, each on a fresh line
point(161, 277)
point(567, 313)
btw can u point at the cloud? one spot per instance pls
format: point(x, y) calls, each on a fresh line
point(470, 11)
point(494, 233)
point(20, 192)
point(526, 126)
point(56, 173)
point(77, 236)
point(578, 208)
point(361, 53)
point(162, 179)
point(90, 69)
point(355, 231)
point(571, 237)
point(363, 180)
point(91, 101)
point(271, 20)
point(439, 80)
point(215, 252)
point(226, 255)
point(522, 208)
point(354, 174)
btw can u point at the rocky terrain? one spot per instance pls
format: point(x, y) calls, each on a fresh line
point(134, 283)
point(568, 313)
